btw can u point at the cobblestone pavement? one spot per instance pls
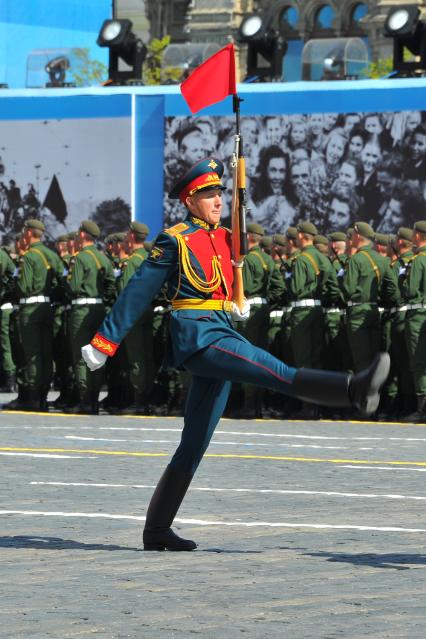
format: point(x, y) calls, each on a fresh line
point(305, 529)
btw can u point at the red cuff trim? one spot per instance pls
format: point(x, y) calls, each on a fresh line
point(104, 345)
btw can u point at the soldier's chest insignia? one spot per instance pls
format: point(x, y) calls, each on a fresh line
point(156, 253)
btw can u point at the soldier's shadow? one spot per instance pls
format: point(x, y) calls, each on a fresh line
point(55, 543)
point(395, 561)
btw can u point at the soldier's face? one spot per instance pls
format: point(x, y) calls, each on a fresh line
point(339, 215)
point(206, 205)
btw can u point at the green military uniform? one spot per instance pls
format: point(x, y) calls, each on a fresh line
point(92, 286)
point(415, 321)
point(62, 353)
point(367, 277)
point(312, 283)
point(39, 272)
point(139, 341)
point(400, 387)
point(336, 347)
point(263, 286)
point(7, 270)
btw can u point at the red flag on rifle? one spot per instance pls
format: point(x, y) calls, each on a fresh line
point(212, 81)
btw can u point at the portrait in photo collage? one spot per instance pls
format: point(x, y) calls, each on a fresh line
point(328, 168)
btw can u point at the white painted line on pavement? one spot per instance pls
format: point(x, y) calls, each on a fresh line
point(418, 470)
point(206, 522)
point(221, 432)
point(271, 491)
point(49, 456)
point(216, 443)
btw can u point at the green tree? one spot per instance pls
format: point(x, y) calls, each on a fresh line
point(153, 72)
point(86, 71)
point(379, 69)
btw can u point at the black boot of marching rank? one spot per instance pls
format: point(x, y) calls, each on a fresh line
point(328, 388)
point(164, 504)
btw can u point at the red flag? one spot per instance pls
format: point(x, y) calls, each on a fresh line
point(212, 81)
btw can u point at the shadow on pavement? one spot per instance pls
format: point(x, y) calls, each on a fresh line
point(231, 552)
point(55, 543)
point(397, 561)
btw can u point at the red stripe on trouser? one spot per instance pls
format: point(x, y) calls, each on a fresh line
point(224, 350)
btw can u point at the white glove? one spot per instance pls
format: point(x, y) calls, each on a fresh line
point(240, 315)
point(93, 358)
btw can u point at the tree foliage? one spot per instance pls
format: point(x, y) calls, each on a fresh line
point(379, 69)
point(86, 71)
point(153, 72)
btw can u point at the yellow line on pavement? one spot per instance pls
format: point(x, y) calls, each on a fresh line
point(127, 453)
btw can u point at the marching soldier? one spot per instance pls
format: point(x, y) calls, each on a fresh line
point(39, 272)
point(263, 284)
point(139, 341)
point(92, 286)
point(7, 270)
point(367, 276)
point(61, 354)
point(205, 343)
point(415, 320)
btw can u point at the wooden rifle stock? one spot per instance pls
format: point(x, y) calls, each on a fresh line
point(239, 235)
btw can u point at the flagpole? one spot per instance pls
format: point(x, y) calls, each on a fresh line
point(239, 205)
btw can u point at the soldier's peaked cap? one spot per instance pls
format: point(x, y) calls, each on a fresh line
point(405, 233)
point(279, 239)
point(34, 224)
point(307, 227)
point(62, 238)
point(420, 226)
point(254, 227)
point(205, 174)
point(382, 239)
point(365, 230)
point(291, 233)
point(320, 239)
point(337, 236)
point(90, 227)
point(139, 228)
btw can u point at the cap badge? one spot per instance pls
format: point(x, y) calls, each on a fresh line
point(212, 164)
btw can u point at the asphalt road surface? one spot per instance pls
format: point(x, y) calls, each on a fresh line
point(305, 529)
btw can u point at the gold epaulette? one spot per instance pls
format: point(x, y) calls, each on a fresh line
point(178, 228)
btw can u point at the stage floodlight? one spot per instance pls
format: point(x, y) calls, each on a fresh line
point(56, 69)
point(257, 31)
point(118, 37)
point(403, 24)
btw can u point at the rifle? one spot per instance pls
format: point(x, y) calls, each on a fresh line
point(238, 209)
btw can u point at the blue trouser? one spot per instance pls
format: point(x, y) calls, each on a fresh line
point(214, 369)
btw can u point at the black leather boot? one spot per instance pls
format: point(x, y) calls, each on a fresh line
point(419, 415)
point(19, 402)
point(327, 388)
point(164, 504)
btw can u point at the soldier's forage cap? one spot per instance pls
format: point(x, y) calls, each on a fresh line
point(405, 234)
point(206, 174)
point(139, 229)
point(71, 235)
point(254, 227)
point(365, 230)
point(90, 227)
point(34, 224)
point(381, 239)
point(307, 227)
point(108, 239)
point(291, 233)
point(420, 226)
point(62, 238)
point(320, 239)
point(266, 241)
point(337, 236)
point(279, 240)
point(119, 237)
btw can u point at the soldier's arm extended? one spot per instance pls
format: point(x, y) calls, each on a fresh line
point(138, 294)
point(276, 286)
point(413, 282)
point(301, 277)
point(389, 293)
